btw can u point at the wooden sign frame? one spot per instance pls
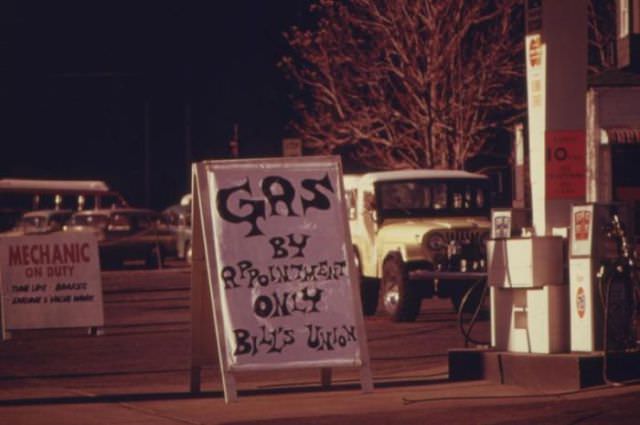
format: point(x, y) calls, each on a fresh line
point(208, 321)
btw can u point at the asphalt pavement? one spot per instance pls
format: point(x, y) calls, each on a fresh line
point(138, 373)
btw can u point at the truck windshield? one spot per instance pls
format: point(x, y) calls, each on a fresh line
point(432, 198)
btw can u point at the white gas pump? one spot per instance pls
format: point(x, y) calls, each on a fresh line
point(601, 278)
point(527, 289)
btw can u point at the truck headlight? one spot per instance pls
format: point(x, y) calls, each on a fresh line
point(436, 242)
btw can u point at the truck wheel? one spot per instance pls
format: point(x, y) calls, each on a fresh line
point(369, 289)
point(188, 252)
point(398, 297)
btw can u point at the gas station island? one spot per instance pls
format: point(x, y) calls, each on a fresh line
point(563, 285)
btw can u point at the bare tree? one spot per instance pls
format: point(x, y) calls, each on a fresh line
point(408, 83)
point(602, 35)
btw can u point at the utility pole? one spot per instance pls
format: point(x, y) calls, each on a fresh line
point(234, 143)
point(187, 142)
point(147, 156)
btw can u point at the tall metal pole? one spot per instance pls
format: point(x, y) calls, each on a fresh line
point(147, 156)
point(234, 143)
point(187, 142)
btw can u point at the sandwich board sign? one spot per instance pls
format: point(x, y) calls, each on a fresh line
point(50, 281)
point(273, 269)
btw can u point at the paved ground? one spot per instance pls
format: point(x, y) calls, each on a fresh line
point(425, 402)
point(138, 373)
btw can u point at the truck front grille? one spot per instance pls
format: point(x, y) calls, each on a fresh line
point(463, 235)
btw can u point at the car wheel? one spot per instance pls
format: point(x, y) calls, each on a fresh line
point(111, 263)
point(369, 289)
point(155, 257)
point(398, 296)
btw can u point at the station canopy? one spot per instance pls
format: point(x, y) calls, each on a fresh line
point(621, 136)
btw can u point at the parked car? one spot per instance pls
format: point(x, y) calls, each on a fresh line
point(40, 222)
point(18, 196)
point(178, 217)
point(127, 234)
point(417, 234)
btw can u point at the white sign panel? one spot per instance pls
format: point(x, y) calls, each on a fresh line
point(582, 217)
point(283, 263)
point(501, 224)
point(50, 281)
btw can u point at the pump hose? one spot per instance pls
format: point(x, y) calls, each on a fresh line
point(622, 268)
point(466, 298)
point(606, 282)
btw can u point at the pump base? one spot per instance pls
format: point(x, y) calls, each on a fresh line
point(570, 371)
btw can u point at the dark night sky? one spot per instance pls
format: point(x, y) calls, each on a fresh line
point(76, 76)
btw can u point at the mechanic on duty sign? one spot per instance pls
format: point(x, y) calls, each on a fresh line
point(50, 281)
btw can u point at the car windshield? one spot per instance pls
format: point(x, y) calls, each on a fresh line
point(59, 218)
point(432, 198)
point(98, 220)
point(120, 220)
point(34, 221)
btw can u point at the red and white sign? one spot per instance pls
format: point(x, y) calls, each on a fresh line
point(50, 281)
point(583, 323)
point(581, 233)
point(582, 220)
point(566, 156)
point(536, 78)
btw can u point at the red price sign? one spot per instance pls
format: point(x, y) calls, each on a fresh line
point(565, 167)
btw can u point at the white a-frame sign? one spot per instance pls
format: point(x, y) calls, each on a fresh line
point(273, 270)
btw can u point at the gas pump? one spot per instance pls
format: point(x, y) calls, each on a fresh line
point(603, 283)
point(505, 223)
point(527, 292)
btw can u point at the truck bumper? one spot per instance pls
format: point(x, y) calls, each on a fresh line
point(445, 275)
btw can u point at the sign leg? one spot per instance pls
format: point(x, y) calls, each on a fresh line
point(195, 379)
point(366, 379)
point(229, 386)
point(325, 377)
